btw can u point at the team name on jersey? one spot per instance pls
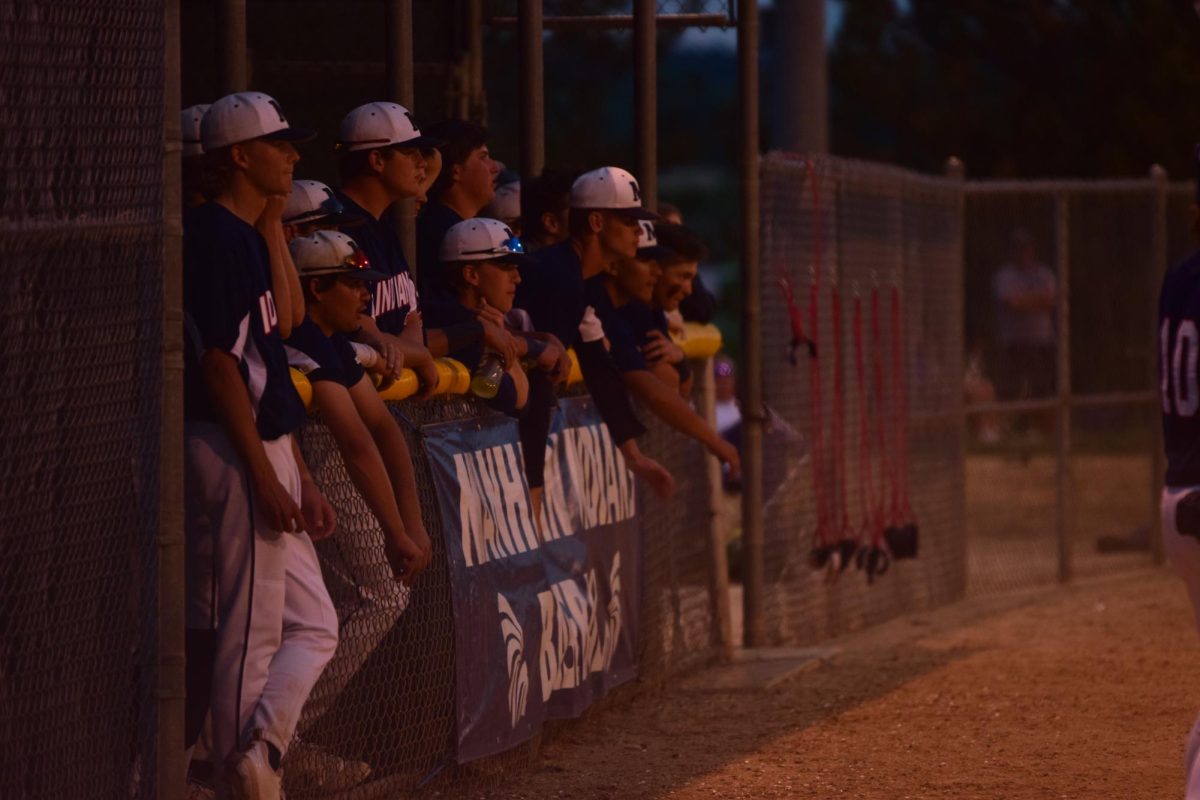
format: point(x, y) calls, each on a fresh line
point(267, 312)
point(393, 294)
point(1177, 356)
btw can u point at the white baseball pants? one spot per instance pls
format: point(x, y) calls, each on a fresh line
point(1183, 553)
point(262, 589)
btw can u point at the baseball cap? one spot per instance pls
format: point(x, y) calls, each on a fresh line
point(648, 246)
point(190, 127)
point(507, 202)
point(481, 239)
point(327, 253)
point(243, 116)
point(313, 201)
point(609, 189)
point(381, 124)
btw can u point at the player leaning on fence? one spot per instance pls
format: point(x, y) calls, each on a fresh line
point(603, 222)
point(253, 575)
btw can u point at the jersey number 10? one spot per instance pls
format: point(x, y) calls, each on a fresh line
point(1177, 370)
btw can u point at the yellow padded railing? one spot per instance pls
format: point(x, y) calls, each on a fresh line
point(697, 341)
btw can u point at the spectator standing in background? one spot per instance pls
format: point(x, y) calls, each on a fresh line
point(1025, 293)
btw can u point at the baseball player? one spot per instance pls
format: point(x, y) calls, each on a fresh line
point(253, 575)
point(545, 203)
point(382, 163)
point(465, 185)
point(1179, 351)
point(603, 222)
point(334, 274)
point(632, 280)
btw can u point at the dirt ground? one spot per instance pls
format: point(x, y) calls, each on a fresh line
point(1054, 693)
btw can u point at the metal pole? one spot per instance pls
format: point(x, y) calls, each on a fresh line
point(1158, 266)
point(1062, 229)
point(476, 98)
point(398, 21)
point(956, 171)
point(645, 98)
point(753, 574)
point(171, 689)
point(532, 107)
point(231, 47)
point(803, 84)
point(718, 559)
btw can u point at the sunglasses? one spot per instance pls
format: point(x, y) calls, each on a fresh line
point(509, 247)
point(356, 260)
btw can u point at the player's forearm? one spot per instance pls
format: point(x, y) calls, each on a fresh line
point(603, 381)
point(285, 281)
point(668, 406)
point(441, 342)
point(232, 403)
point(369, 474)
point(398, 461)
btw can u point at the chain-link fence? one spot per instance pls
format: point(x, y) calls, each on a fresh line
point(381, 720)
point(81, 241)
point(1061, 291)
point(871, 256)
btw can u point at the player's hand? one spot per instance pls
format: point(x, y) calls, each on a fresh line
point(391, 357)
point(427, 379)
point(319, 518)
point(414, 327)
point(661, 350)
point(727, 454)
point(496, 338)
point(552, 359)
point(405, 558)
point(653, 473)
point(276, 506)
point(272, 213)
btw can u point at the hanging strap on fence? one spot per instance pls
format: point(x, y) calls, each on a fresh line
point(902, 535)
point(874, 558)
point(845, 543)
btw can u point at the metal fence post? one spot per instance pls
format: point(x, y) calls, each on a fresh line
point(718, 561)
point(231, 47)
point(1063, 520)
point(169, 622)
point(1158, 266)
point(753, 569)
point(399, 76)
point(532, 84)
point(645, 99)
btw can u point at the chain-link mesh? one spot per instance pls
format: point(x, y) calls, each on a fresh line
point(1110, 233)
point(381, 719)
point(81, 241)
point(866, 228)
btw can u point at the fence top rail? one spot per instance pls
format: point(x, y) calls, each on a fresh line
point(1071, 185)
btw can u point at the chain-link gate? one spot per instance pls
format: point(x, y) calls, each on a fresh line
point(81, 241)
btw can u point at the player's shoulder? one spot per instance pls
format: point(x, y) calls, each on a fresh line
point(309, 348)
point(1181, 285)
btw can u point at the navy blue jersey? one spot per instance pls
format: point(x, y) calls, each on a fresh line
point(432, 223)
point(1179, 348)
point(228, 306)
point(321, 357)
point(551, 290)
point(642, 319)
point(391, 300)
point(623, 346)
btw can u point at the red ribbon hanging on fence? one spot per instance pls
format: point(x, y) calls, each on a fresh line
point(838, 426)
point(824, 535)
point(881, 440)
point(901, 508)
point(872, 525)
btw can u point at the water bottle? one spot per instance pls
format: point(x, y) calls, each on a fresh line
point(485, 381)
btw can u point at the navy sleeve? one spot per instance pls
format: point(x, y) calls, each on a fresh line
point(352, 371)
point(603, 381)
point(311, 351)
point(624, 348)
point(442, 311)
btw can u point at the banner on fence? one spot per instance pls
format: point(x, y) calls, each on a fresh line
point(545, 622)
